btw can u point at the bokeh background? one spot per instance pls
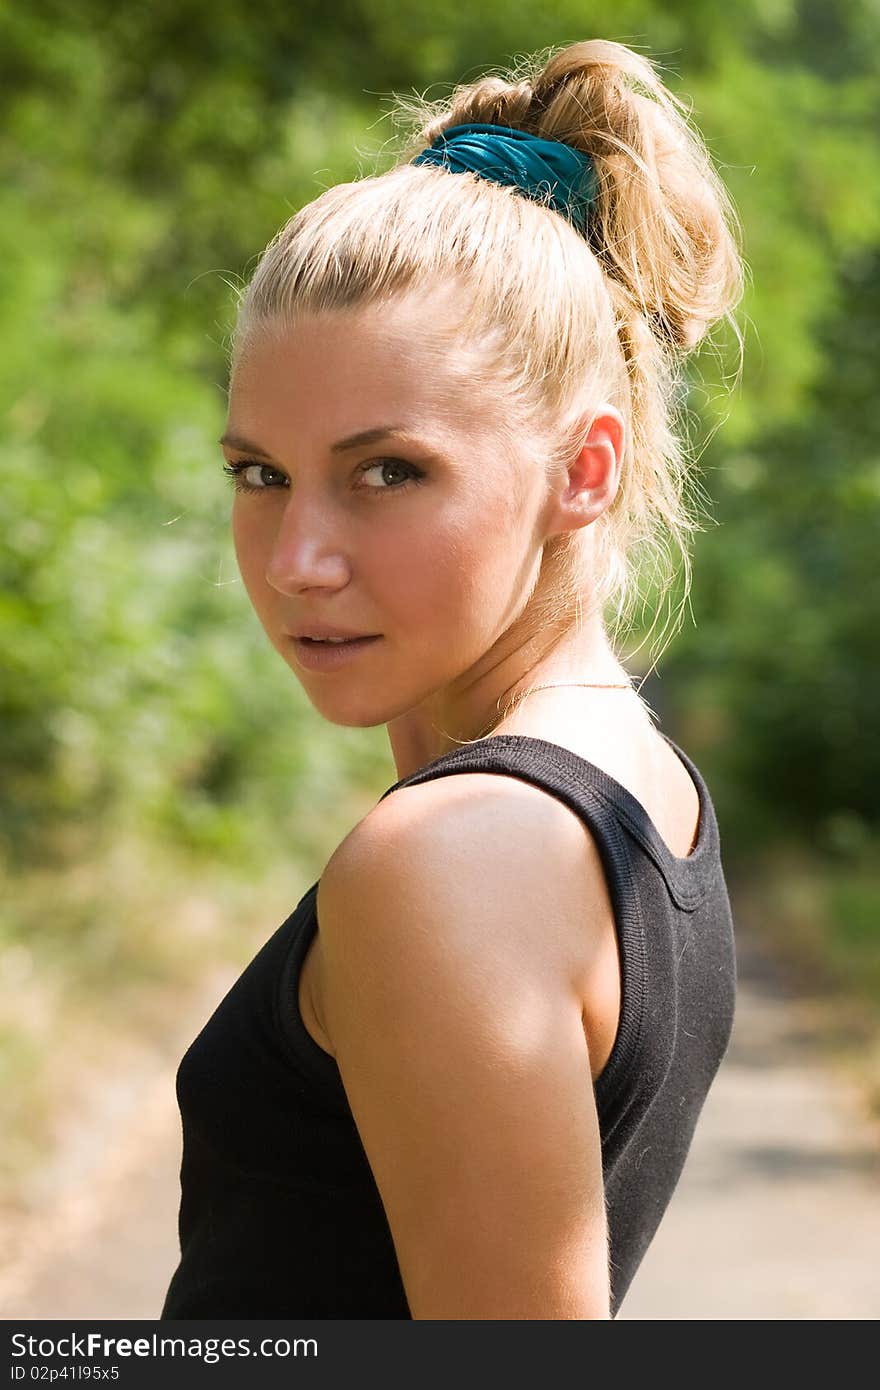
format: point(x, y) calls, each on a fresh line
point(166, 793)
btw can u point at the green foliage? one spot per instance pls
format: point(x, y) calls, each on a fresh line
point(786, 644)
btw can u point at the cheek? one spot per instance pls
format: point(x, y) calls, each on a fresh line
point(252, 539)
point(456, 568)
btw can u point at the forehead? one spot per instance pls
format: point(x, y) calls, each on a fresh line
point(335, 373)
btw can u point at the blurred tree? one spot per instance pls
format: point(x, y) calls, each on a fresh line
point(786, 648)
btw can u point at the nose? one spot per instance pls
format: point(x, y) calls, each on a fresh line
point(307, 552)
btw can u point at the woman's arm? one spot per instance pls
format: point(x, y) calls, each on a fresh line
point(460, 1042)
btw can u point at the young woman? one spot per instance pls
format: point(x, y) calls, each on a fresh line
point(461, 1080)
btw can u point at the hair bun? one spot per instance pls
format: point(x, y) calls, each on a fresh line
point(663, 226)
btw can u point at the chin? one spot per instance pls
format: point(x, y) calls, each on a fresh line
point(351, 713)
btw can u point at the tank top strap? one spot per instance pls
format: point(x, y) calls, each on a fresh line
point(600, 801)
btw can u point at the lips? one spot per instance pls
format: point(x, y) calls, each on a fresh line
point(323, 632)
point(330, 656)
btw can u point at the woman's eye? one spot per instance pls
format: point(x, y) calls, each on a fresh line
point(390, 475)
point(386, 475)
point(254, 477)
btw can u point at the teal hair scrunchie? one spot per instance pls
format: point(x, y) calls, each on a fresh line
point(545, 170)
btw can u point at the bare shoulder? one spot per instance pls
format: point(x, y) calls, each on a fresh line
point(446, 926)
point(473, 844)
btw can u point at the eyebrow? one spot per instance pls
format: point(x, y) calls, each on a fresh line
point(352, 441)
point(244, 446)
point(364, 437)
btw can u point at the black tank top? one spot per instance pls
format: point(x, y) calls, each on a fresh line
point(280, 1216)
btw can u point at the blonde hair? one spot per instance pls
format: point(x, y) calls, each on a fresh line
point(561, 319)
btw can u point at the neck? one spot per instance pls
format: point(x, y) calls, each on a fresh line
point(475, 704)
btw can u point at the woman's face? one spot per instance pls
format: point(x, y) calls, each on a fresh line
point(378, 493)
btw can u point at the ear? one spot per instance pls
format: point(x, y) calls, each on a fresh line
point(590, 481)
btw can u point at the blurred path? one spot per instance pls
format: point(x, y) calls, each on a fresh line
point(777, 1215)
point(103, 1240)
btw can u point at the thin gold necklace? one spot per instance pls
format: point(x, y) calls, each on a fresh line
point(560, 685)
